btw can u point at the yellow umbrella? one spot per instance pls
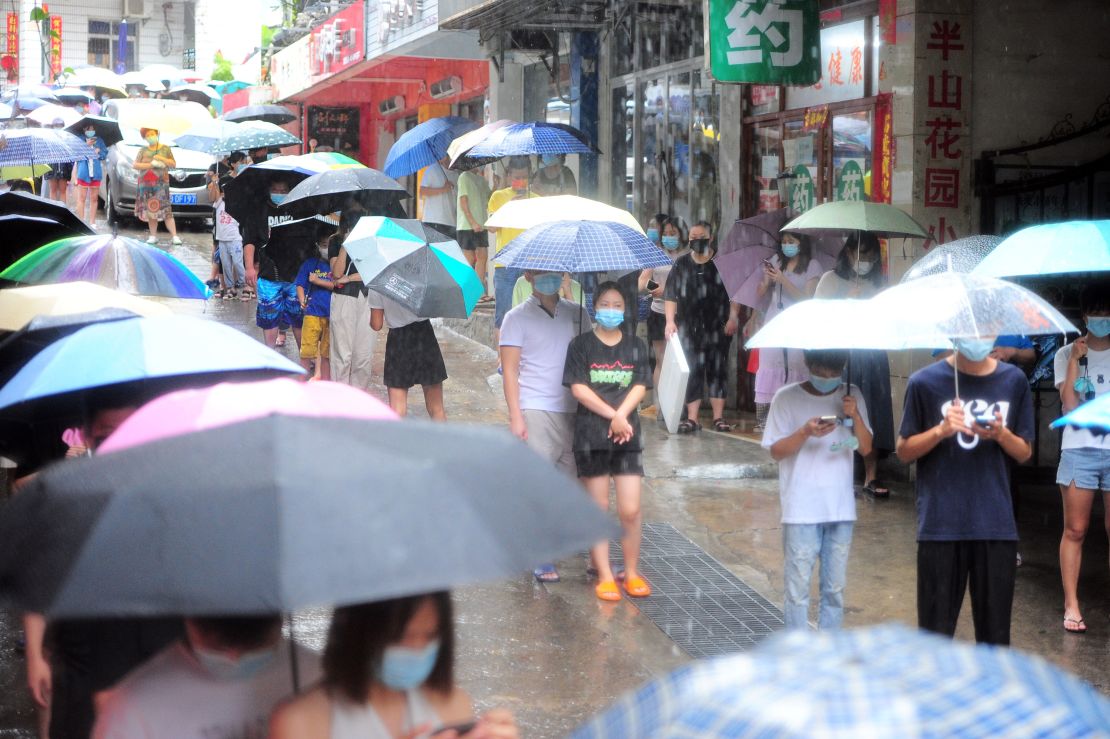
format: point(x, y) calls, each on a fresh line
point(18, 305)
point(524, 214)
point(23, 173)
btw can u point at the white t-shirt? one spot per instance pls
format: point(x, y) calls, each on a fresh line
point(439, 208)
point(171, 697)
point(227, 228)
point(543, 342)
point(815, 485)
point(396, 315)
point(1098, 369)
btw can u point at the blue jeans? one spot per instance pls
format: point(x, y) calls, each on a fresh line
point(504, 280)
point(802, 544)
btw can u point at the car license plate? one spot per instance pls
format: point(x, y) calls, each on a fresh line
point(183, 198)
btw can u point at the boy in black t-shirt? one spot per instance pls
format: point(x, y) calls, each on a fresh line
point(966, 534)
point(608, 373)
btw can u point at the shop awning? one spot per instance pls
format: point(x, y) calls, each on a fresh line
point(510, 15)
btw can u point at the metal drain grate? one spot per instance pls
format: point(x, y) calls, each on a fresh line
point(695, 600)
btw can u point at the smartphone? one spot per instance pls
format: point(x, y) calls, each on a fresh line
point(652, 285)
point(985, 420)
point(829, 419)
point(462, 728)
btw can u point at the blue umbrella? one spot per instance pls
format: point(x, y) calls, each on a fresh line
point(1051, 249)
point(1094, 415)
point(44, 93)
point(30, 103)
point(881, 681)
point(155, 352)
point(582, 246)
point(536, 137)
point(424, 144)
point(31, 146)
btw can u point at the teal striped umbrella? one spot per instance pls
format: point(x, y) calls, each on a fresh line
point(414, 265)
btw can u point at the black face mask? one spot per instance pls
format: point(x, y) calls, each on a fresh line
point(700, 246)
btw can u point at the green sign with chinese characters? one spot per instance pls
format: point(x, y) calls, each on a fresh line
point(803, 195)
point(849, 183)
point(776, 42)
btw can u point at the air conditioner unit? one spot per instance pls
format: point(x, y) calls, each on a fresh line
point(392, 105)
point(136, 8)
point(446, 88)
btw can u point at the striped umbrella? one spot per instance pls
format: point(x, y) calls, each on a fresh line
point(31, 146)
point(536, 137)
point(424, 144)
point(582, 246)
point(414, 265)
point(121, 263)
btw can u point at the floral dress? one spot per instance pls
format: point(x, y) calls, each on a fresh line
point(153, 197)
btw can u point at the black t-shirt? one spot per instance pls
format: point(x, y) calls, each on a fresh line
point(963, 484)
point(610, 371)
point(702, 298)
point(280, 267)
point(353, 288)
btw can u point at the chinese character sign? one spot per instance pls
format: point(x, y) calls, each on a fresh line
point(765, 41)
point(11, 59)
point(803, 195)
point(55, 46)
point(849, 183)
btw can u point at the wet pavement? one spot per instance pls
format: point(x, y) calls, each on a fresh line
point(554, 654)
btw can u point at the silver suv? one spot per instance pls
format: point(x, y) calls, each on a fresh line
point(188, 194)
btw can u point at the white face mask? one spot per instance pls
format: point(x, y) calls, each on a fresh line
point(323, 251)
point(863, 267)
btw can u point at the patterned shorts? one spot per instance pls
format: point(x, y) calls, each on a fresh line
point(277, 305)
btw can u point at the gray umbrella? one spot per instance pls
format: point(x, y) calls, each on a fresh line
point(251, 518)
point(276, 114)
point(961, 255)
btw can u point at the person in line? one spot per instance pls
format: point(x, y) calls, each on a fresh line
point(152, 199)
point(59, 174)
point(389, 671)
point(352, 339)
point(859, 275)
point(474, 193)
point(788, 276)
point(1082, 374)
point(534, 340)
point(277, 296)
point(89, 173)
point(504, 278)
point(412, 356)
point(229, 241)
point(812, 427)
point(964, 447)
point(224, 678)
point(670, 236)
point(554, 177)
point(570, 289)
point(609, 371)
point(437, 193)
point(699, 311)
point(314, 285)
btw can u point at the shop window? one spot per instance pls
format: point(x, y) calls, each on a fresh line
point(653, 115)
point(103, 44)
point(705, 136)
point(623, 157)
point(650, 34)
point(677, 174)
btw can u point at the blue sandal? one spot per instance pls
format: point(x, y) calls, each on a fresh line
point(546, 573)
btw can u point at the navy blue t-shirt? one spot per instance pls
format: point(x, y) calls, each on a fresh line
point(963, 484)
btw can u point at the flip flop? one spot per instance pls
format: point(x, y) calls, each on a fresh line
point(546, 573)
point(608, 590)
point(1080, 626)
point(637, 587)
point(689, 427)
point(875, 489)
point(721, 425)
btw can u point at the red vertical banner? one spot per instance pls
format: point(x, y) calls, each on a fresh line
point(882, 145)
point(11, 58)
point(888, 18)
point(55, 46)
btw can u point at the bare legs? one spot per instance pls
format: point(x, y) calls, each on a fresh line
point(628, 510)
point(659, 349)
point(433, 401)
point(717, 405)
point(171, 226)
point(1077, 519)
point(86, 204)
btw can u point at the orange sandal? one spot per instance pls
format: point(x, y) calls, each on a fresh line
point(608, 590)
point(637, 587)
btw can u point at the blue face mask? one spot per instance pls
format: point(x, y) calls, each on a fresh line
point(1099, 326)
point(609, 317)
point(547, 283)
point(974, 349)
point(824, 385)
point(224, 667)
point(670, 242)
point(405, 669)
point(652, 235)
point(790, 250)
point(277, 198)
point(549, 159)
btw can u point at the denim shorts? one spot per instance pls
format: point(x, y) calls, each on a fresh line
point(1088, 467)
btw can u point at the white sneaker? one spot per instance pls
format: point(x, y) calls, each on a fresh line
point(176, 241)
point(152, 240)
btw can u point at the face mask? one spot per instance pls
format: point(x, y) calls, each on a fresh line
point(405, 669)
point(152, 140)
point(323, 252)
point(824, 385)
point(609, 317)
point(1099, 326)
point(862, 267)
point(90, 134)
point(974, 349)
point(277, 198)
point(223, 667)
point(790, 250)
point(699, 246)
point(547, 284)
point(652, 235)
point(670, 242)
point(549, 159)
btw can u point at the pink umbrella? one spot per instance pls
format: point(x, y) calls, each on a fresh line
point(189, 411)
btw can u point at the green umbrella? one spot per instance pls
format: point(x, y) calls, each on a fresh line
point(881, 219)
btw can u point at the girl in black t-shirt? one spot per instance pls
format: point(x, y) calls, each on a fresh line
point(608, 373)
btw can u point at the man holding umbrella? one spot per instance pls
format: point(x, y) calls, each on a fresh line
point(277, 295)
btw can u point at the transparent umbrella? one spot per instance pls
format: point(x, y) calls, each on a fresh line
point(961, 255)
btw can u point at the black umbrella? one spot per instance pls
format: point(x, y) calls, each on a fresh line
point(276, 114)
point(292, 242)
point(106, 128)
point(230, 520)
point(334, 190)
point(27, 204)
point(17, 348)
point(23, 234)
point(248, 193)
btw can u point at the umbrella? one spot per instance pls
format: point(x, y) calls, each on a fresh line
point(459, 149)
point(761, 229)
point(276, 114)
point(741, 270)
point(328, 192)
point(21, 305)
point(292, 242)
point(529, 212)
point(190, 411)
point(72, 95)
point(251, 186)
point(1094, 415)
point(113, 261)
point(27, 204)
point(6, 111)
point(41, 331)
point(414, 265)
point(162, 352)
point(31, 103)
point(106, 128)
point(23, 234)
point(32, 146)
point(197, 93)
point(883, 220)
point(1051, 249)
point(45, 115)
point(169, 74)
point(537, 137)
point(23, 173)
point(104, 80)
point(180, 526)
point(43, 93)
point(582, 246)
point(425, 144)
point(224, 137)
point(837, 324)
point(882, 681)
point(230, 86)
point(961, 255)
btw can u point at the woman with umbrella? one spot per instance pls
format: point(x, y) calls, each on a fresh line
point(89, 174)
point(152, 202)
point(858, 274)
